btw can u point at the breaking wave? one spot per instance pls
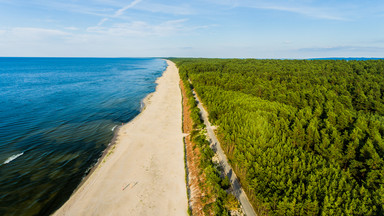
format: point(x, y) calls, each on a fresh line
point(13, 157)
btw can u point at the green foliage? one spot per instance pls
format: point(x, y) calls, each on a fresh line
point(216, 201)
point(231, 202)
point(305, 137)
point(225, 183)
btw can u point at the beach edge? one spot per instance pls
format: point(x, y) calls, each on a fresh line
point(117, 133)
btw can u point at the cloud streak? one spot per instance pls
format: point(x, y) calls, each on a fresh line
point(166, 9)
point(320, 13)
point(142, 29)
point(343, 49)
point(119, 12)
point(22, 35)
point(123, 9)
point(305, 9)
point(37, 33)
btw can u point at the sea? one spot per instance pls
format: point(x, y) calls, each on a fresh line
point(57, 116)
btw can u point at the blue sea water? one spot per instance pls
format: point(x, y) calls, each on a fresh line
point(57, 115)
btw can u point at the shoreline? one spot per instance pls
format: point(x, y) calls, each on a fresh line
point(111, 166)
point(143, 104)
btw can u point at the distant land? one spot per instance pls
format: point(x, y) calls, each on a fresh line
point(347, 58)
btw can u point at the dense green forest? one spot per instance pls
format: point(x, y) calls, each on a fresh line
point(305, 137)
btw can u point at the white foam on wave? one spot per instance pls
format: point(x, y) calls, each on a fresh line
point(13, 157)
point(114, 127)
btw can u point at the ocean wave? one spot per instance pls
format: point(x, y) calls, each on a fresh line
point(13, 157)
point(114, 127)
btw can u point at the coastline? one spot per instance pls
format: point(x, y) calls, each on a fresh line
point(143, 103)
point(143, 195)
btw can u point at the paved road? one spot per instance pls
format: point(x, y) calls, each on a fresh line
point(238, 191)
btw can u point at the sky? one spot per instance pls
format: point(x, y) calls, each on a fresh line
point(192, 28)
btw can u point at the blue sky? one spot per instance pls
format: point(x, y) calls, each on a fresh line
point(192, 28)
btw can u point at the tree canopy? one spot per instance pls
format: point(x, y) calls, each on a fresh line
point(305, 137)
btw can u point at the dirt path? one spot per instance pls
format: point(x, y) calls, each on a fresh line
point(238, 191)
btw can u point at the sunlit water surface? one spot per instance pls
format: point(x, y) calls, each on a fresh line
point(57, 115)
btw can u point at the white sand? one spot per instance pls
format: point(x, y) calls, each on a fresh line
point(147, 162)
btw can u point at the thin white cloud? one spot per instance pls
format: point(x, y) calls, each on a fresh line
point(140, 28)
point(31, 34)
point(321, 13)
point(298, 7)
point(343, 48)
point(183, 9)
point(74, 7)
point(37, 31)
point(119, 12)
point(102, 21)
point(71, 28)
point(123, 9)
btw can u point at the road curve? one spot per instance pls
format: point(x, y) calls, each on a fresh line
point(238, 191)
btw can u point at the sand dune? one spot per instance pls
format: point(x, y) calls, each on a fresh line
point(144, 172)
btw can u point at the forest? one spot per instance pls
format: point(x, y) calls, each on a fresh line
point(305, 137)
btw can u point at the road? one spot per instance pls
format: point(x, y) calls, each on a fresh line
point(215, 145)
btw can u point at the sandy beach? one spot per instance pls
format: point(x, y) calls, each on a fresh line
point(143, 173)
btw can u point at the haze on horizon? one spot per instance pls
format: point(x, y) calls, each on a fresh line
point(194, 28)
